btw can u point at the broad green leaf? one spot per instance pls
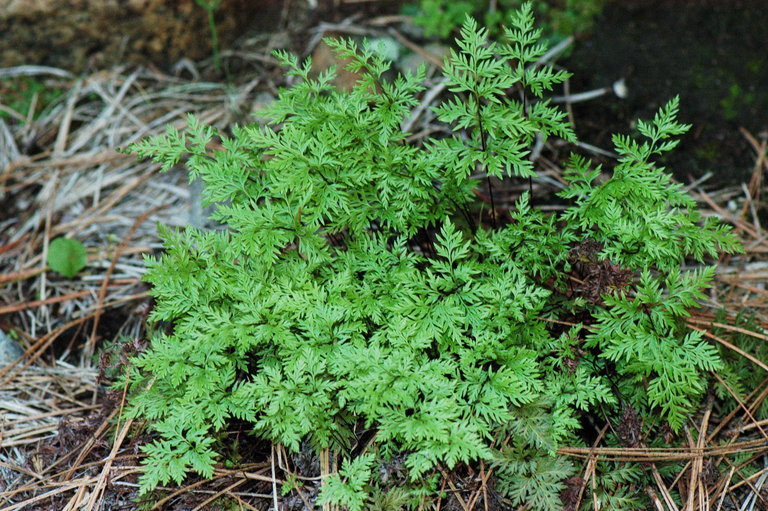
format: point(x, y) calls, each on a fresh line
point(66, 256)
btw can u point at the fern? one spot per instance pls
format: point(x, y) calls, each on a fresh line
point(532, 478)
point(644, 337)
point(639, 216)
point(348, 487)
point(352, 286)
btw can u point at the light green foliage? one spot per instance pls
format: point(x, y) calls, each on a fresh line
point(353, 289)
point(561, 18)
point(500, 128)
point(67, 256)
point(640, 214)
point(532, 478)
point(643, 336)
point(349, 487)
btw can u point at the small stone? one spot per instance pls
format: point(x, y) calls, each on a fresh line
point(9, 350)
point(262, 101)
point(386, 47)
point(412, 61)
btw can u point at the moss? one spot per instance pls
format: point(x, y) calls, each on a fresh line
point(23, 93)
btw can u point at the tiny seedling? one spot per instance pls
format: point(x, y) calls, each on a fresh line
point(67, 256)
point(210, 7)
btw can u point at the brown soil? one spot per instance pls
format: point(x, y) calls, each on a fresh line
point(75, 34)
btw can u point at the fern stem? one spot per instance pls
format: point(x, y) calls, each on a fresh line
point(484, 148)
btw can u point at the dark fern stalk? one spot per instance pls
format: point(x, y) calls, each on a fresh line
point(210, 7)
point(483, 135)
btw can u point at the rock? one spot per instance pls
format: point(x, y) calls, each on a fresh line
point(323, 57)
point(9, 349)
point(263, 100)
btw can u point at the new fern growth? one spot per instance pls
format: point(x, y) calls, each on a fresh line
point(354, 289)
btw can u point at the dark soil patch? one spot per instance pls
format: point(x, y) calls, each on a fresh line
point(711, 54)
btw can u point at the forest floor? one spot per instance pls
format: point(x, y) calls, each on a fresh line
point(63, 444)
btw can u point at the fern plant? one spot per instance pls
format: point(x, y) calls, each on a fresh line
point(354, 287)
